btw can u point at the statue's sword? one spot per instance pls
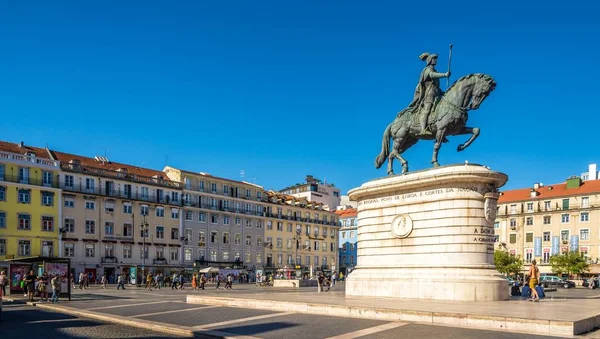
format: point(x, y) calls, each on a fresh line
point(449, 64)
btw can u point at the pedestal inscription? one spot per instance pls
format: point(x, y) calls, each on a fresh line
point(428, 235)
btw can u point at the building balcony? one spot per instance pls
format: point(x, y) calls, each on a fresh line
point(158, 261)
point(29, 181)
point(113, 193)
point(109, 260)
point(88, 170)
point(29, 161)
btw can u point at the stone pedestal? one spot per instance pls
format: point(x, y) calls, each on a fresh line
point(429, 235)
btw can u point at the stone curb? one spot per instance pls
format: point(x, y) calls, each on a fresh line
point(452, 319)
point(139, 323)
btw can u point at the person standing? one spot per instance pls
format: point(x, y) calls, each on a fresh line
point(30, 284)
point(320, 281)
point(55, 283)
point(44, 280)
point(103, 281)
point(3, 281)
point(534, 277)
point(194, 281)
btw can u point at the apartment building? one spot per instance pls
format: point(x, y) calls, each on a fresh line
point(348, 238)
point(317, 191)
point(545, 220)
point(223, 220)
point(118, 218)
point(30, 201)
point(300, 235)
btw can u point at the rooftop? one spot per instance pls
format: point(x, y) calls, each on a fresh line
point(347, 213)
point(21, 148)
point(550, 191)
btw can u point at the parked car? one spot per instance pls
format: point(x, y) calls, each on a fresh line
point(549, 280)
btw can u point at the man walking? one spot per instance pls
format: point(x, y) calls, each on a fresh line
point(120, 282)
point(55, 282)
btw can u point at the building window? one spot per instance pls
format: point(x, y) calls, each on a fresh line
point(585, 202)
point(48, 224)
point(529, 207)
point(584, 234)
point(189, 216)
point(585, 217)
point(258, 224)
point(90, 251)
point(529, 256)
point(174, 213)
point(24, 196)
point(127, 252)
point(109, 228)
point(225, 237)
point(512, 238)
point(513, 222)
point(225, 220)
point(279, 243)
point(213, 255)
point(144, 209)
point(109, 251)
point(174, 254)
point(546, 256)
point(564, 235)
point(89, 184)
point(160, 232)
point(259, 240)
point(529, 221)
point(90, 205)
point(547, 205)
point(343, 234)
point(546, 236)
point(127, 208)
point(47, 198)
point(248, 240)
point(144, 252)
point(24, 248)
point(214, 218)
point(69, 202)
point(174, 233)
point(24, 221)
point(225, 256)
point(565, 204)
point(513, 209)
point(90, 227)
point(259, 258)
point(351, 234)
point(127, 230)
point(237, 239)
point(24, 175)
point(238, 221)
point(2, 193)
point(69, 250)
point(564, 218)
point(529, 237)
point(187, 254)
point(160, 212)
point(144, 193)
point(547, 220)
point(160, 252)
point(1, 172)
point(69, 180)
point(201, 217)
point(213, 237)
point(248, 223)
point(201, 238)
point(2, 220)
point(496, 225)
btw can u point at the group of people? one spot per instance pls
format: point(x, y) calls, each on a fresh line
point(33, 284)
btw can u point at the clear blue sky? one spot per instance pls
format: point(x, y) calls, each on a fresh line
point(282, 89)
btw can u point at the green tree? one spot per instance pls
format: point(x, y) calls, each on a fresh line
point(569, 263)
point(507, 263)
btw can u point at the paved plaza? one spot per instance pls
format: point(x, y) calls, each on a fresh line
point(136, 312)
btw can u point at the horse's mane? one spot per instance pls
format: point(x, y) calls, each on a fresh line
point(468, 76)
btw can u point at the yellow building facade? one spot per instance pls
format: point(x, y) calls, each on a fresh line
point(545, 220)
point(30, 202)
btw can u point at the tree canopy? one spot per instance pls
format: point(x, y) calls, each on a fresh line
point(570, 263)
point(507, 263)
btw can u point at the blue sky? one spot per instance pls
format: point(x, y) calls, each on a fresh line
point(285, 89)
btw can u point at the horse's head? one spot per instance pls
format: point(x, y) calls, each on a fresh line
point(470, 91)
point(484, 85)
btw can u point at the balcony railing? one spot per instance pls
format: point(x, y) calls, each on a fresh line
point(159, 261)
point(151, 198)
point(109, 260)
point(101, 172)
point(30, 181)
point(27, 160)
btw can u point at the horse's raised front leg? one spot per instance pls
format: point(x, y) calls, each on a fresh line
point(474, 131)
point(439, 138)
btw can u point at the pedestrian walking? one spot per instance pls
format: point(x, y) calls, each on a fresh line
point(30, 284)
point(202, 281)
point(55, 283)
point(534, 277)
point(174, 281)
point(320, 280)
point(120, 282)
point(103, 281)
point(218, 282)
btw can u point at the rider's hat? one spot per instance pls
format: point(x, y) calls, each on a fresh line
point(427, 57)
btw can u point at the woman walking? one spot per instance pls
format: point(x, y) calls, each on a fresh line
point(534, 277)
point(194, 281)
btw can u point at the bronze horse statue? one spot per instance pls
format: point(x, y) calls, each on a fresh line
point(448, 118)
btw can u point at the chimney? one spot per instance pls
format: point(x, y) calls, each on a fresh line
point(593, 172)
point(21, 144)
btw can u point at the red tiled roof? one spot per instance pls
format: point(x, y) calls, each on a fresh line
point(64, 158)
point(15, 148)
point(550, 191)
point(347, 213)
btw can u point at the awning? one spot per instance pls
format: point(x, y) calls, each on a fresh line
point(209, 270)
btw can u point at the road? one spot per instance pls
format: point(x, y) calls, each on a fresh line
point(168, 308)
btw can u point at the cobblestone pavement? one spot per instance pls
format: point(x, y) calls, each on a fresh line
point(167, 308)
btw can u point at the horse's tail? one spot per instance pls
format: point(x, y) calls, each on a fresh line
point(385, 147)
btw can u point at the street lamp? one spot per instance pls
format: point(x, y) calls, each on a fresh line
point(298, 238)
point(144, 227)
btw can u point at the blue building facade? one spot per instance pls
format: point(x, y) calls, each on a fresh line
point(347, 239)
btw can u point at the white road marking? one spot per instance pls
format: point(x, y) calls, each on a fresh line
point(127, 305)
point(240, 320)
point(173, 311)
point(52, 321)
point(369, 330)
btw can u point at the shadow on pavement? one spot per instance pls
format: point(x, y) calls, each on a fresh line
point(254, 329)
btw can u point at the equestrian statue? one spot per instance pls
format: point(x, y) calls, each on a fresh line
point(433, 114)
